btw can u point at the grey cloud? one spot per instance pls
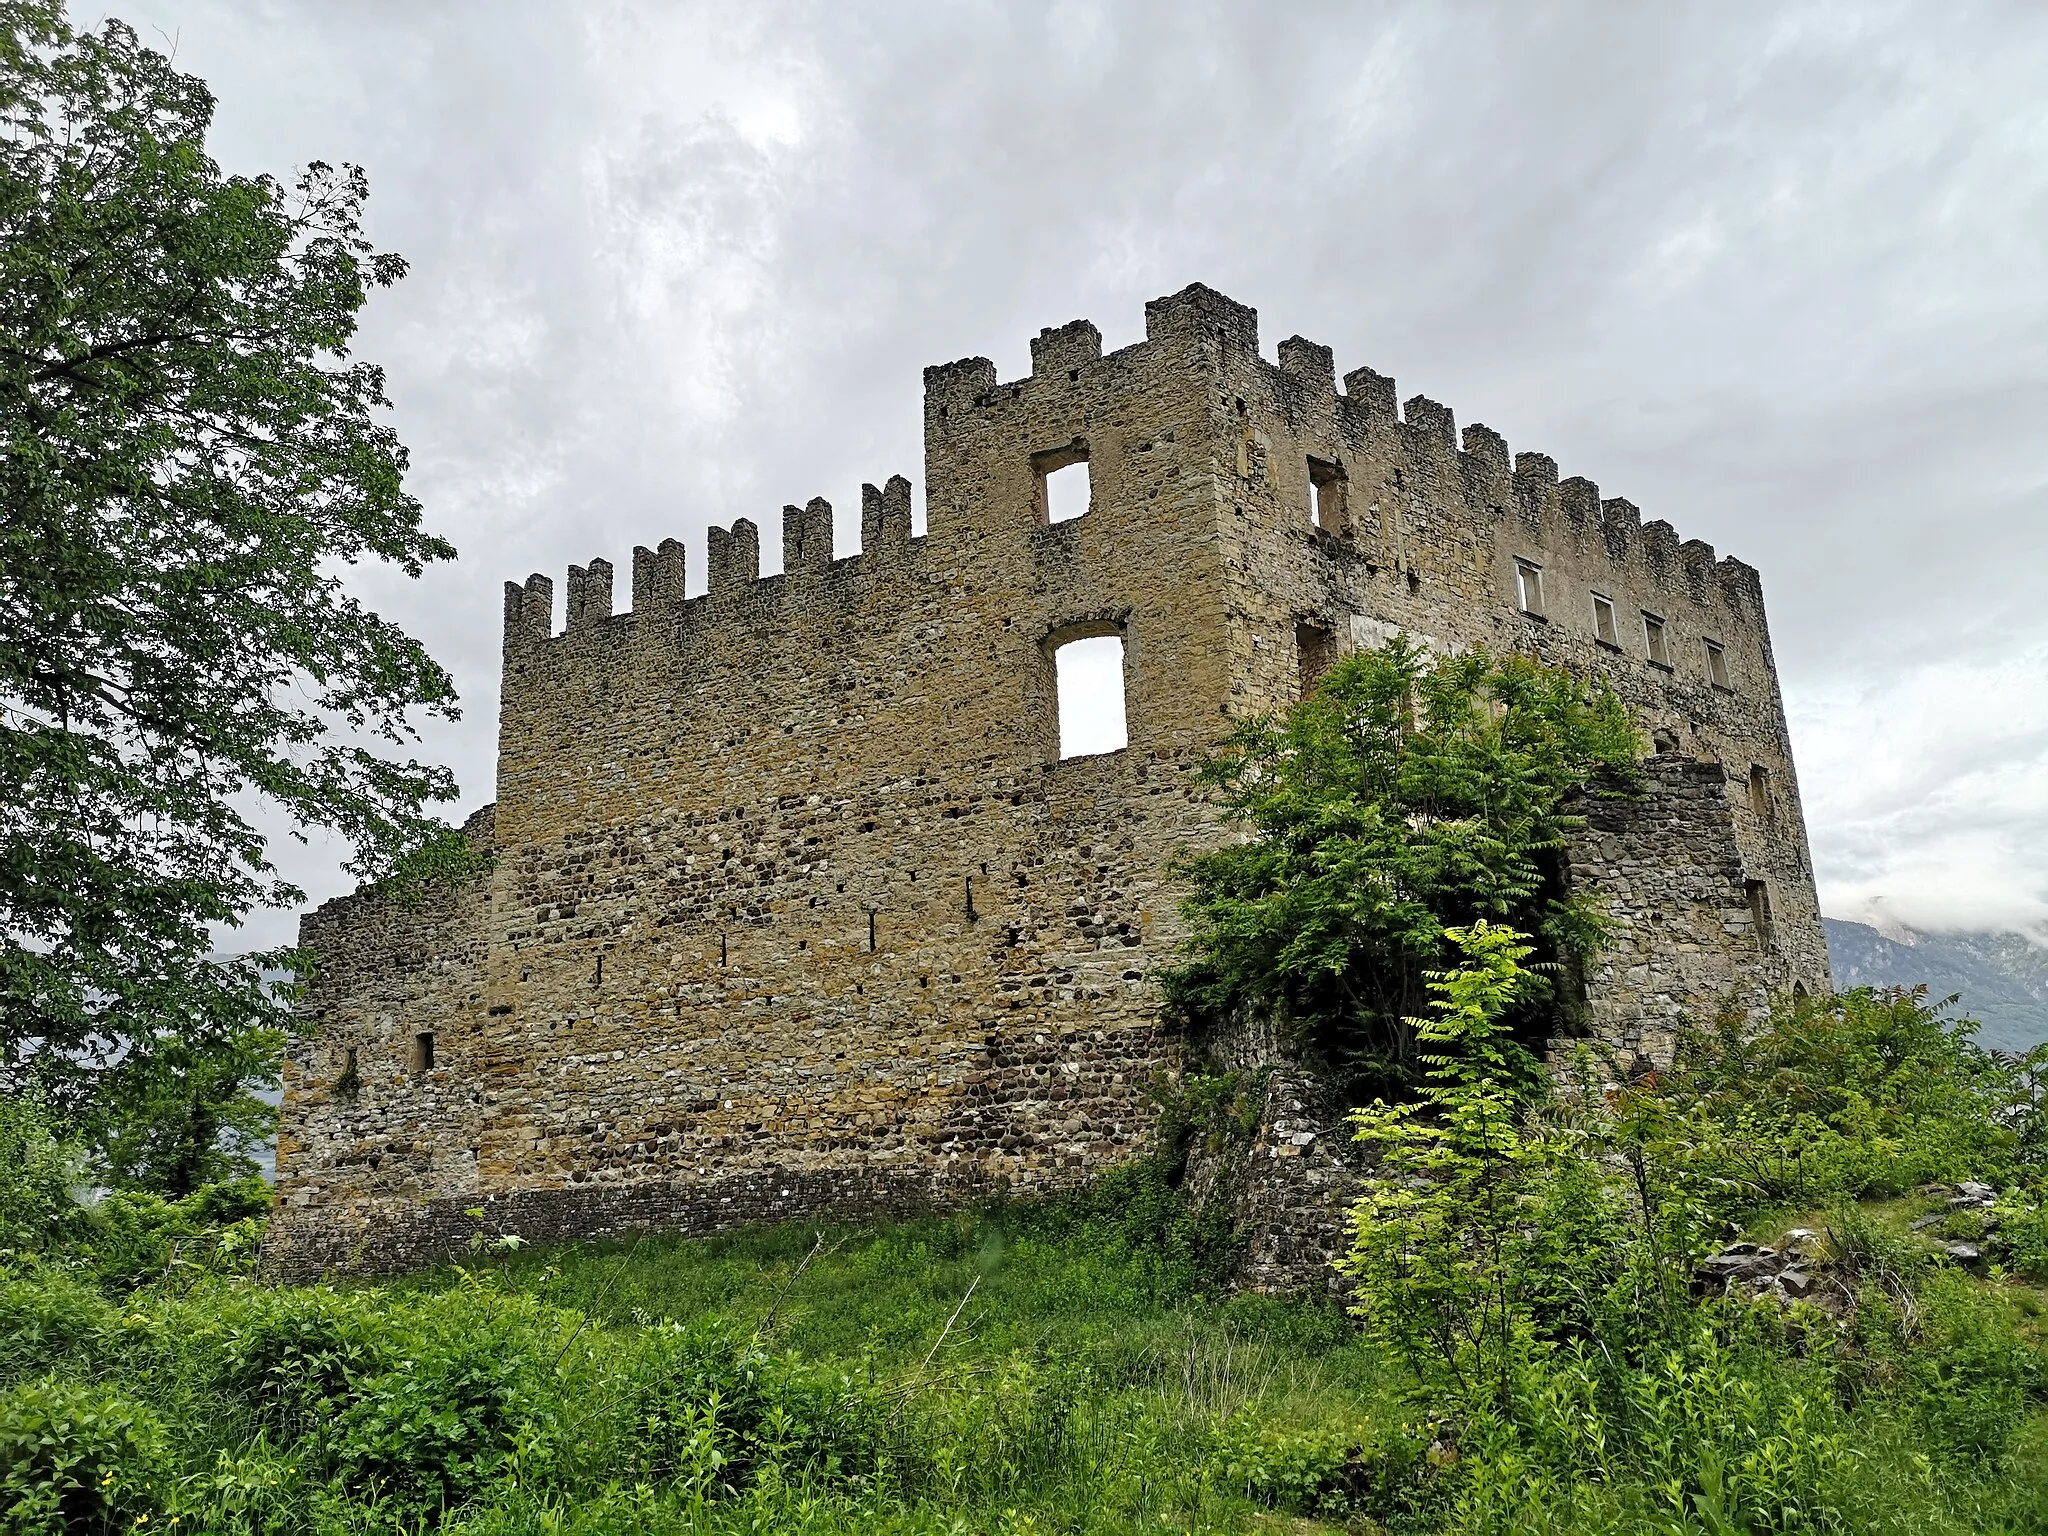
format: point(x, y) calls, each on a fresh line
point(1770, 271)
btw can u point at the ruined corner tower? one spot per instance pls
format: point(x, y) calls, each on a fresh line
point(796, 910)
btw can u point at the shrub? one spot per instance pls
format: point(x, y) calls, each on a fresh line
point(75, 1459)
point(442, 1421)
point(1865, 1093)
point(133, 1237)
point(38, 1173)
point(706, 1407)
point(301, 1357)
point(1403, 797)
point(1479, 1234)
point(47, 1316)
point(1323, 1469)
point(2023, 1234)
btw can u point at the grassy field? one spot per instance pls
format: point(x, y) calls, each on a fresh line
point(1535, 1347)
point(1066, 1368)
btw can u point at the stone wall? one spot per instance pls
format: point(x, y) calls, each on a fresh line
point(796, 911)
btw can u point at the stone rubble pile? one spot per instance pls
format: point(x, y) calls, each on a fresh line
point(1790, 1271)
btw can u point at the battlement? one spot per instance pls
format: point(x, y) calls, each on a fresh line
point(733, 571)
point(1356, 429)
point(1343, 461)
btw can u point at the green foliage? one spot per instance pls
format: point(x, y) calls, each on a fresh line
point(444, 1421)
point(75, 1458)
point(190, 463)
point(300, 1357)
point(2023, 1227)
point(39, 1175)
point(1404, 797)
point(768, 1381)
point(1865, 1093)
point(48, 1316)
point(186, 1115)
point(134, 1236)
point(1487, 1234)
point(1533, 1263)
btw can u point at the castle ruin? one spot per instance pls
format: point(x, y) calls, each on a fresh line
point(796, 909)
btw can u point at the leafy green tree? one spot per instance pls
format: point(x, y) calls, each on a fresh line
point(1404, 797)
point(190, 461)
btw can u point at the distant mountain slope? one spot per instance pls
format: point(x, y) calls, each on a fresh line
point(2003, 977)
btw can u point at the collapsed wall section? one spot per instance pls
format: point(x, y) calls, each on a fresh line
point(386, 1077)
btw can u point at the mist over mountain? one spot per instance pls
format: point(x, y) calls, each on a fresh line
point(2003, 977)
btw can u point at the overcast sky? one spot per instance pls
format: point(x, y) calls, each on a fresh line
point(1778, 273)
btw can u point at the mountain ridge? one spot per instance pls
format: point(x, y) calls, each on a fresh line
point(2002, 978)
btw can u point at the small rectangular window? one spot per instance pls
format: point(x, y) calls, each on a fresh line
point(1760, 790)
point(423, 1051)
point(1529, 586)
point(1654, 642)
point(1314, 648)
point(1717, 664)
point(1604, 628)
point(1760, 911)
point(1327, 509)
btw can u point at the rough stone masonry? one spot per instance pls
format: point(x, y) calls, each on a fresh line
point(795, 909)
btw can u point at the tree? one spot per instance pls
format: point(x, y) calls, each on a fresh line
point(190, 460)
point(1402, 798)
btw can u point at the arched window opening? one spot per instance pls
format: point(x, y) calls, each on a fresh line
point(1089, 674)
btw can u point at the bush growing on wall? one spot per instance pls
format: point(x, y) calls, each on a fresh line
point(1404, 797)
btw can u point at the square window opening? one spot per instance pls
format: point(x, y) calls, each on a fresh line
point(1089, 680)
point(1529, 586)
point(1064, 492)
point(1717, 664)
point(1654, 642)
point(423, 1052)
point(1604, 628)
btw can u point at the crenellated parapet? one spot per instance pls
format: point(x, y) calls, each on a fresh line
point(734, 584)
point(1422, 440)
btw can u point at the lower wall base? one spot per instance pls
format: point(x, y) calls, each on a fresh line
point(385, 1237)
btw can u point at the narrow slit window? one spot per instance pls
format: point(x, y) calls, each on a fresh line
point(1063, 489)
point(1529, 586)
point(1654, 641)
point(1760, 911)
point(1326, 505)
point(1089, 675)
point(1717, 664)
point(1604, 628)
point(1759, 789)
point(423, 1052)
